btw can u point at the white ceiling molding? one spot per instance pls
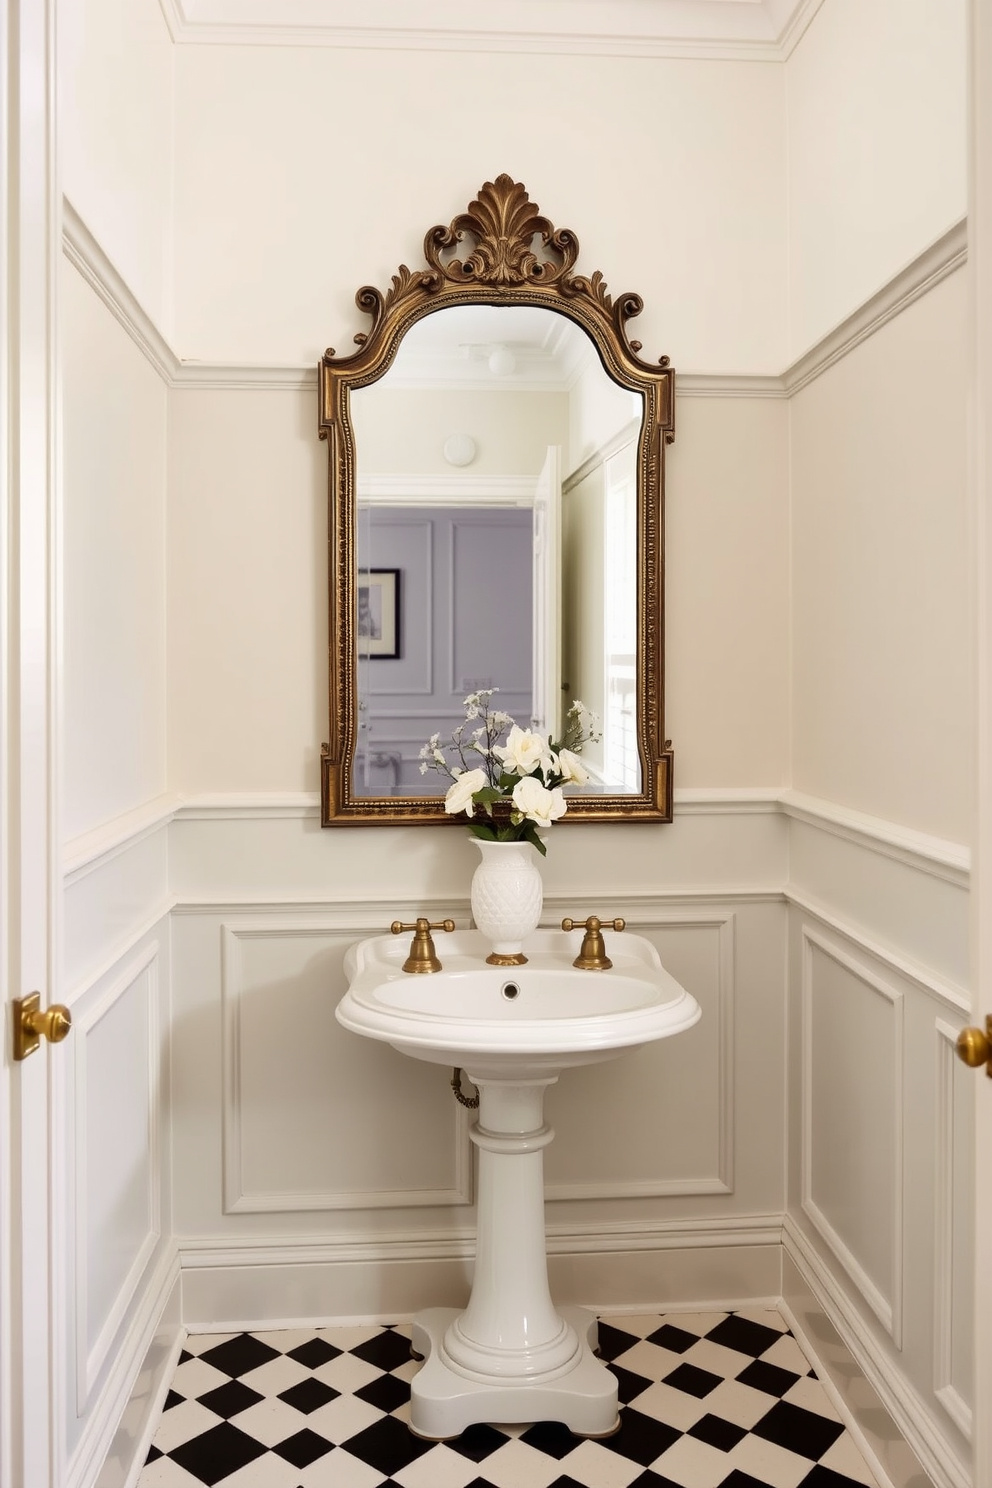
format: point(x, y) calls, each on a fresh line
point(756, 30)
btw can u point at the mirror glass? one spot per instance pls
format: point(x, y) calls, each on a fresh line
point(496, 478)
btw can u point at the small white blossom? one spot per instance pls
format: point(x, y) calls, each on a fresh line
point(538, 804)
point(523, 751)
point(571, 768)
point(460, 793)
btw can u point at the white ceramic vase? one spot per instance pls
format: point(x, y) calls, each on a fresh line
point(507, 896)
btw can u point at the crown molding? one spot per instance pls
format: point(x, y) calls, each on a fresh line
point(757, 31)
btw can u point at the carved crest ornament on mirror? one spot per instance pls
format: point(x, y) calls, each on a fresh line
point(496, 453)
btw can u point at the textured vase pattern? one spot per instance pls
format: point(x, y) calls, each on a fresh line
point(507, 896)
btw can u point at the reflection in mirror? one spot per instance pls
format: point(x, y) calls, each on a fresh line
point(518, 562)
point(496, 453)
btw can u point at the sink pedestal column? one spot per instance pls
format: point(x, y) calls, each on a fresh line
point(510, 1356)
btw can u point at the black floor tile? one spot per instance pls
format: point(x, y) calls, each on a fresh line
point(230, 1399)
point(309, 1395)
point(798, 1430)
point(385, 1393)
point(717, 1433)
point(479, 1442)
point(551, 1437)
point(641, 1438)
point(217, 1453)
point(303, 1448)
point(629, 1384)
point(387, 1445)
point(387, 1350)
point(694, 1381)
point(677, 1340)
point(613, 1342)
point(239, 1355)
point(768, 1377)
point(744, 1335)
point(313, 1353)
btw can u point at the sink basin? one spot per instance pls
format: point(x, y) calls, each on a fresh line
point(545, 1013)
point(511, 1355)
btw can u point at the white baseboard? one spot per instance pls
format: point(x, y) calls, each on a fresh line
point(889, 1420)
point(120, 1424)
point(617, 1268)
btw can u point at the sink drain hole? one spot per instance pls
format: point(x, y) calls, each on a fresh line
point(510, 990)
point(456, 1087)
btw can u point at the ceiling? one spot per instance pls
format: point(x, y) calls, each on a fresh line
point(764, 30)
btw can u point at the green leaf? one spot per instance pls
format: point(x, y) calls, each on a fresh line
point(480, 829)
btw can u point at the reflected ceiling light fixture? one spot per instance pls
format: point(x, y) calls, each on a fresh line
point(459, 449)
point(502, 362)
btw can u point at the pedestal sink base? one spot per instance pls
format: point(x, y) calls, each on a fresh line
point(444, 1403)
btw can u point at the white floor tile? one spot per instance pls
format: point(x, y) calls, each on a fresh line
point(270, 1421)
point(269, 1471)
point(438, 1468)
point(844, 1457)
point(810, 1395)
point(692, 1463)
point(768, 1463)
point(518, 1466)
point(598, 1467)
point(182, 1423)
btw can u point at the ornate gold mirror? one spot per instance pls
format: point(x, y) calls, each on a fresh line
point(496, 519)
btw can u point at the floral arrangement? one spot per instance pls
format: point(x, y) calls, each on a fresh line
point(516, 783)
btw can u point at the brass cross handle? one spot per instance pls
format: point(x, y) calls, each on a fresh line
point(31, 1025)
point(592, 956)
point(974, 1047)
point(422, 957)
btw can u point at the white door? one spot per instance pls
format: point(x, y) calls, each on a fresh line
point(30, 1379)
point(546, 717)
point(980, 268)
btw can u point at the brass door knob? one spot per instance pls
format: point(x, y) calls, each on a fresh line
point(974, 1047)
point(31, 1025)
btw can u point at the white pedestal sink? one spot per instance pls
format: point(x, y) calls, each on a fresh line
point(511, 1356)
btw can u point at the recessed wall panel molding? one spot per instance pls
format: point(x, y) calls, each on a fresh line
point(953, 1265)
point(313, 1117)
point(115, 1137)
point(662, 1126)
point(852, 1083)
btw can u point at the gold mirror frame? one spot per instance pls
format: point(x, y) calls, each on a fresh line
point(518, 258)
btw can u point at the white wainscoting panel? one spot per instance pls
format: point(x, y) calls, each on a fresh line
point(662, 1124)
point(117, 1157)
point(312, 1114)
point(852, 1086)
point(954, 1257)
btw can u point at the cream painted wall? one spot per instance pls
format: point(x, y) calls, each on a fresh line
point(116, 111)
point(114, 462)
point(247, 565)
point(727, 601)
point(302, 174)
point(876, 126)
point(882, 715)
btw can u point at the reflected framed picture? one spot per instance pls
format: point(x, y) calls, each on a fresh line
point(379, 612)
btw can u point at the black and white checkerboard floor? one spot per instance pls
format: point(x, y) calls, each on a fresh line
point(708, 1400)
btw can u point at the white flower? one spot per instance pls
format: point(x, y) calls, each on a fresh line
point(571, 768)
point(537, 803)
point(459, 797)
point(523, 751)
